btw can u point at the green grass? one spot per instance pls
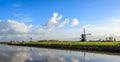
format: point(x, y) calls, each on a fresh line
point(78, 43)
point(70, 43)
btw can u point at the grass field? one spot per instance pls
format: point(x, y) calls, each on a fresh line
point(69, 43)
point(77, 43)
point(92, 46)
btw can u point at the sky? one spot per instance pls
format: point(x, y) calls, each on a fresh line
point(59, 19)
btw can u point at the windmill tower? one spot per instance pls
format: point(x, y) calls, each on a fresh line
point(83, 36)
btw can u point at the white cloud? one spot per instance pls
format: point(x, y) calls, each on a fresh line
point(62, 24)
point(75, 22)
point(111, 28)
point(54, 23)
point(53, 20)
point(88, 26)
point(21, 30)
point(60, 17)
point(40, 30)
point(30, 26)
point(18, 27)
point(13, 27)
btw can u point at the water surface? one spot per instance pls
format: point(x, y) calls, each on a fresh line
point(30, 54)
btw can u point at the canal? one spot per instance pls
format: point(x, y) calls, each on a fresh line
point(30, 54)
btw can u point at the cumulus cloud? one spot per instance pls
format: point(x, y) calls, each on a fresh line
point(53, 23)
point(18, 26)
point(60, 17)
point(62, 24)
point(21, 30)
point(13, 27)
point(75, 22)
point(53, 20)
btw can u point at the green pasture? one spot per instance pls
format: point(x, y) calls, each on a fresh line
point(77, 43)
point(67, 43)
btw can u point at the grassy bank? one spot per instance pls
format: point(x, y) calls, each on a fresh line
point(77, 43)
point(92, 46)
point(67, 43)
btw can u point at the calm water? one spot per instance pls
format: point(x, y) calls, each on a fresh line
point(28, 54)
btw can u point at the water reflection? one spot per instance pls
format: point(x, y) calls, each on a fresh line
point(28, 54)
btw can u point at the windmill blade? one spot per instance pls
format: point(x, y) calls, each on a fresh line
point(84, 30)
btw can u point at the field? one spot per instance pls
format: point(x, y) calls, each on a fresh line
point(76, 43)
point(92, 46)
point(67, 43)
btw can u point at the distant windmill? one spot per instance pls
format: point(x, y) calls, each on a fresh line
point(30, 39)
point(83, 36)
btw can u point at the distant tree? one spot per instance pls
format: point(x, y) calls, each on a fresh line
point(11, 41)
point(114, 39)
point(106, 39)
point(17, 41)
point(22, 41)
point(99, 39)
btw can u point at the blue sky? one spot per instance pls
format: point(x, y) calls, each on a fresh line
point(54, 19)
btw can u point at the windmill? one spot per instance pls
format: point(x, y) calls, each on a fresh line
point(83, 36)
point(30, 39)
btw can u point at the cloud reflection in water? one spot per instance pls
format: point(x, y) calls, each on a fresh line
point(27, 56)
